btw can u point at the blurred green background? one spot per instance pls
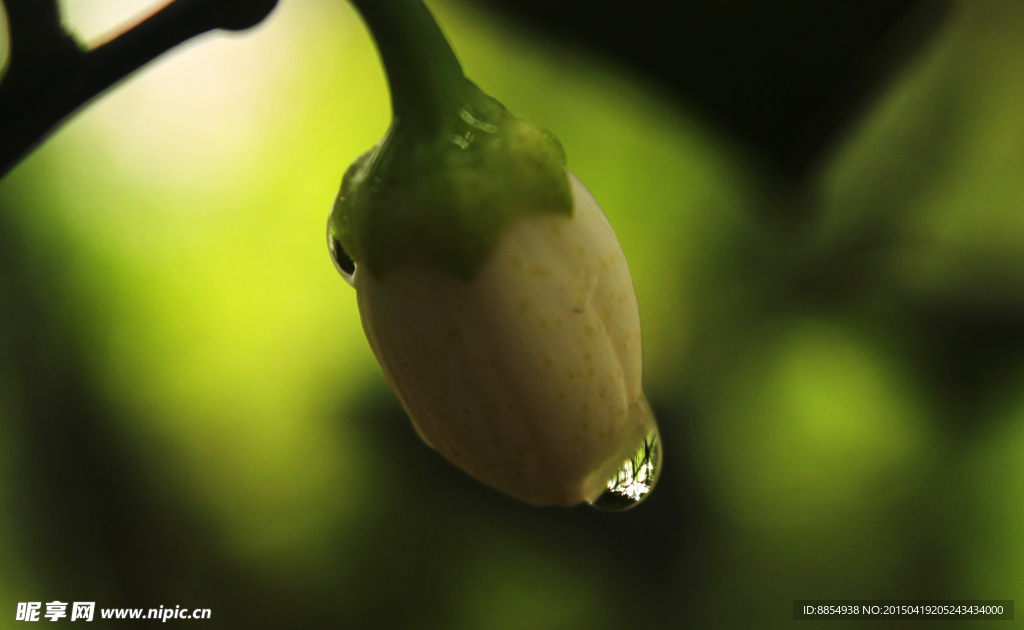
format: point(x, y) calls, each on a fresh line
point(190, 415)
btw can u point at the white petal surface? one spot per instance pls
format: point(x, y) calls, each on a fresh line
point(529, 376)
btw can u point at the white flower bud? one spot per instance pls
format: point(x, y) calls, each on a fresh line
point(491, 286)
point(527, 375)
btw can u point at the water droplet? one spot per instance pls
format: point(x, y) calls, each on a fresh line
point(476, 122)
point(342, 261)
point(636, 477)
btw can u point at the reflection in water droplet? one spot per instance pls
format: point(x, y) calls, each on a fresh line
point(635, 479)
point(342, 261)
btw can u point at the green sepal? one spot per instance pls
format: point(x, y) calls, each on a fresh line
point(442, 199)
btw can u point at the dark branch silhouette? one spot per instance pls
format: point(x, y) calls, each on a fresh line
point(50, 76)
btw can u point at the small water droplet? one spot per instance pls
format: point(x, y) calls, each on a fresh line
point(476, 122)
point(636, 477)
point(342, 261)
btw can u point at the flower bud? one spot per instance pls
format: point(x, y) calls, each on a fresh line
point(528, 376)
point(492, 289)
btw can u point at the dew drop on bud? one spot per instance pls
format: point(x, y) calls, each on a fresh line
point(635, 478)
point(342, 261)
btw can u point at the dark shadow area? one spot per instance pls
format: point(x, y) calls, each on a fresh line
point(644, 547)
point(971, 354)
point(86, 509)
point(783, 77)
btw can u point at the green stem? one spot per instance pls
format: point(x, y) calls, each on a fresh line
point(426, 81)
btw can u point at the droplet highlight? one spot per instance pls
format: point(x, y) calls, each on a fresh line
point(635, 479)
point(342, 261)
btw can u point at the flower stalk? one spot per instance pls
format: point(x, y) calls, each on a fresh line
point(424, 77)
